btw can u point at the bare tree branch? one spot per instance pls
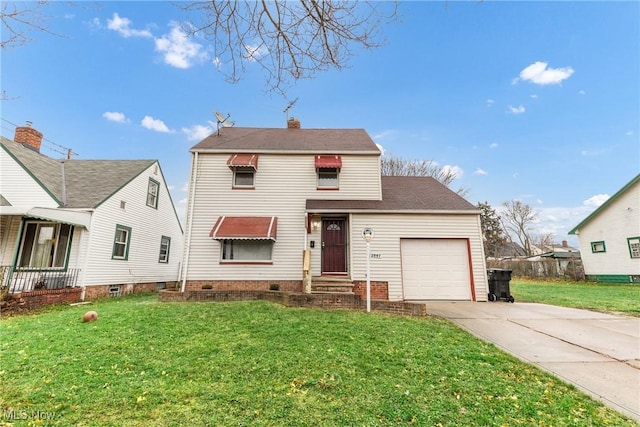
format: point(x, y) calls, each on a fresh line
point(289, 40)
point(396, 166)
point(20, 19)
point(516, 219)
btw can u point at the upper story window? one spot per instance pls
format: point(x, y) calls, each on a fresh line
point(328, 178)
point(328, 167)
point(121, 243)
point(598, 247)
point(244, 177)
point(634, 247)
point(152, 193)
point(45, 245)
point(244, 167)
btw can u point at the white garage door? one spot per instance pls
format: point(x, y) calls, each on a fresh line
point(435, 269)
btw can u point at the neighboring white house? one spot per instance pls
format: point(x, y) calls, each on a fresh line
point(108, 226)
point(610, 237)
point(286, 208)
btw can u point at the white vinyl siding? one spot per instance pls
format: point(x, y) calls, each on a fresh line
point(147, 228)
point(389, 229)
point(19, 187)
point(613, 225)
point(283, 183)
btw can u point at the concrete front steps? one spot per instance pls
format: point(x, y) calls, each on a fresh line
point(331, 285)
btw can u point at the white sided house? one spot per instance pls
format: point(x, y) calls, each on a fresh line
point(286, 209)
point(106, 226)
point(610, 238)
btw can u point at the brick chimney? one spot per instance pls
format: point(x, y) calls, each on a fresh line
point(293, 123)
point(28, 136)
point(565, 244)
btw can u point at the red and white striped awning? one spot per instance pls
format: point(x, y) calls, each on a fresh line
point(245, 228)
point(243, 160)
point(328, 162)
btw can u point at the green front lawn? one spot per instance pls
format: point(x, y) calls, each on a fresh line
point(145, 363)
point(616, 298)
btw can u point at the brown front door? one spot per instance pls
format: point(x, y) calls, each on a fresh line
point(334, 246)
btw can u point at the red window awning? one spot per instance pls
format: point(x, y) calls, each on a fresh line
point(243, 160)
point(328, 162)
point(245, 228)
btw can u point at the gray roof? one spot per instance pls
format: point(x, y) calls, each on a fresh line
point(259, 140)
point(88, 182)
point(403, 193)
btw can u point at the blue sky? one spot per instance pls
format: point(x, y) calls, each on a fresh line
point(534, 101)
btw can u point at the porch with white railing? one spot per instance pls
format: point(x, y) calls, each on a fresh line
point(23, 280)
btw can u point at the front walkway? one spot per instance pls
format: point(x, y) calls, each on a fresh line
point(598, 353)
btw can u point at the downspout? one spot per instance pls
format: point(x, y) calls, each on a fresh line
point(83, 256)
point(191, 198)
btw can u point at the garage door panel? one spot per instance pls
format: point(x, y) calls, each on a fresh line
point(435, 269)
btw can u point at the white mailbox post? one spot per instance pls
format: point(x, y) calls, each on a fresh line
point(367, 235)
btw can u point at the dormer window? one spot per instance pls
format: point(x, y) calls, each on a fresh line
point(244, 167)
point(328, 168)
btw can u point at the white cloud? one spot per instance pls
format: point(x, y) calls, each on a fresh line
point(385, 134)
point(593, 153)
point(596, 200)
point(253, 53)
point(381, 148)
point(494, 145)
point(157, 125)
point(534, 96)
point(582, 92)
point(490, 102)
point(455, 171)
point(629, 133)
point(540, 74)
point(114, 116)
point(480, 172)
point(198, 132)
point(121, 26)
point(516, 110)
point(178, 50)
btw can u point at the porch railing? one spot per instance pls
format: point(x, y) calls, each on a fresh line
point(32, 280)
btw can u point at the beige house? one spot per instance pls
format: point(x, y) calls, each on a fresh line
point(287, 209)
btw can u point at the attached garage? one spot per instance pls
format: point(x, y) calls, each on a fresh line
point(436, 269)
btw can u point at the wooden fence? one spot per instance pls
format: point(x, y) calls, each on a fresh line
point(546, 269)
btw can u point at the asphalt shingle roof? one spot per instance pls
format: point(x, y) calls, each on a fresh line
point(257, 140)
point(88, 182)
point(403, 193)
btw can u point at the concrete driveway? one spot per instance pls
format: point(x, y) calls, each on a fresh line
point(598, 353)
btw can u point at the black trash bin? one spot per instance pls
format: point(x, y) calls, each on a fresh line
point(499, 284)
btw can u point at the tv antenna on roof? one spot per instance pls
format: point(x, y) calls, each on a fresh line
point(223, 121)
point(291, 104)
